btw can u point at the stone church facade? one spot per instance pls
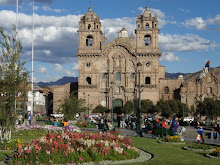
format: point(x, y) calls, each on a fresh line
point(108, 70)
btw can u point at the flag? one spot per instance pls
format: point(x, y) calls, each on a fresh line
point(207, 64)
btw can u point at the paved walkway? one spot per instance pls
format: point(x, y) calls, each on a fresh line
point(191, 134)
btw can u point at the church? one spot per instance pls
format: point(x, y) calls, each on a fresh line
point(110, 72)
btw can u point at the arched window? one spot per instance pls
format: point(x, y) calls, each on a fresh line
point(89, 27)
point(89, 41)
point(147, 40)
point(138, 25)
point(147, 80)
point(118, 76)
point(147, 26)
point(155, 25)
point(89, 80)
point(104, 75)
point(97, 26)
point(132, 75)
point(209, 90)
point(166, 90)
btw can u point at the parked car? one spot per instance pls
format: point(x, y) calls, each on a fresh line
point(188, 119)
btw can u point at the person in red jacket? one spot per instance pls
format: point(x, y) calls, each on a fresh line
point(164, 123)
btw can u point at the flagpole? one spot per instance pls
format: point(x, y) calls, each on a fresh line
point(32, 82)
point(16, 37)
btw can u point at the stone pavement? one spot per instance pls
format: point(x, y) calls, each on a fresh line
point(191, 133)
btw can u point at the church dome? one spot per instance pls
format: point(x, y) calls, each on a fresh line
point(89, 16)
point(147, 13)
point(124, 32)
point(180, 77)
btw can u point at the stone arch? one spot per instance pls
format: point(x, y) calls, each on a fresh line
point(89, 80)
point(166, 90)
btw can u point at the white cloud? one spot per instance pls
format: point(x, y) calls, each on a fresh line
point(75, 66)
point(201, 24)
point(42, 69)
point(168, 56)
point(181, 43)
point(58, 67)
point(68, 72)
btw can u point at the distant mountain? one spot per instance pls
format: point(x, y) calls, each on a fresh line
point(61, 81)
point(174, 75)
point(66, 80)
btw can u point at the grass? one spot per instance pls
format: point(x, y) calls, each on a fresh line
point(171, 154)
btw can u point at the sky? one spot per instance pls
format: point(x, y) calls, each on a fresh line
point(189, 31)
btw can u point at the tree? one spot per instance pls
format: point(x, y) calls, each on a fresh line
point(12, 76)
point(209, 107)
point(169, 107)
point(100, 109)
point(70, 106)
point(147, 106)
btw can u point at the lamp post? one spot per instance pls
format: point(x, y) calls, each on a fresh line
point(139, 129)
point(88, 107)
point(112, 85)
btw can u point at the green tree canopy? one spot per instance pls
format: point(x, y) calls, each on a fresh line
point(168, 107)
point(70, 106)
point(100, 109)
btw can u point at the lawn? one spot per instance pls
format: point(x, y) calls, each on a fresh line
point(171, 154)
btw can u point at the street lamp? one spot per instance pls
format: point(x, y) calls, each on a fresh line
point(139, 129)
point(88, 107)
point(112, 85)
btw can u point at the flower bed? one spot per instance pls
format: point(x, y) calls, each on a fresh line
point(172, 140)
point(215, 154)
point(199, 147)
point(37, 130)
point(76, 148)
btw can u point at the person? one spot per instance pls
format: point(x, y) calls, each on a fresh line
point(55, 122)
point(215, 133)
point(164, 123)
point(25, 118)
point(64, 122)
point(20, 117)
point(133, 121)
point(122, 122)
point(29, 117)
point(200, 132)
point(175, 125)
point(154, 119)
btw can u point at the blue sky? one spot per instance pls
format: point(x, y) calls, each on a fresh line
point(187, 27)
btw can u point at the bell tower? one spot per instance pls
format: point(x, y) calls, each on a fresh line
point(147, 32)
point(90, 34)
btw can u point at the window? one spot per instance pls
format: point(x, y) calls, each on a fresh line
point(166, 90)
point(147, 80)
point(104, 76)
point(139, 25)
point(118, 76)
point(147, 64)
point(97, 26)
point(89, 41)
point(209, 90)
point(132, 75)
point(147, 40)
point(88, 64)
point(89, 80)
point(155, 25)
point(147, 26)
point(89, 27)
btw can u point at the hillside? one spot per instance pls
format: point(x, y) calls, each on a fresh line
point(61, 81)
